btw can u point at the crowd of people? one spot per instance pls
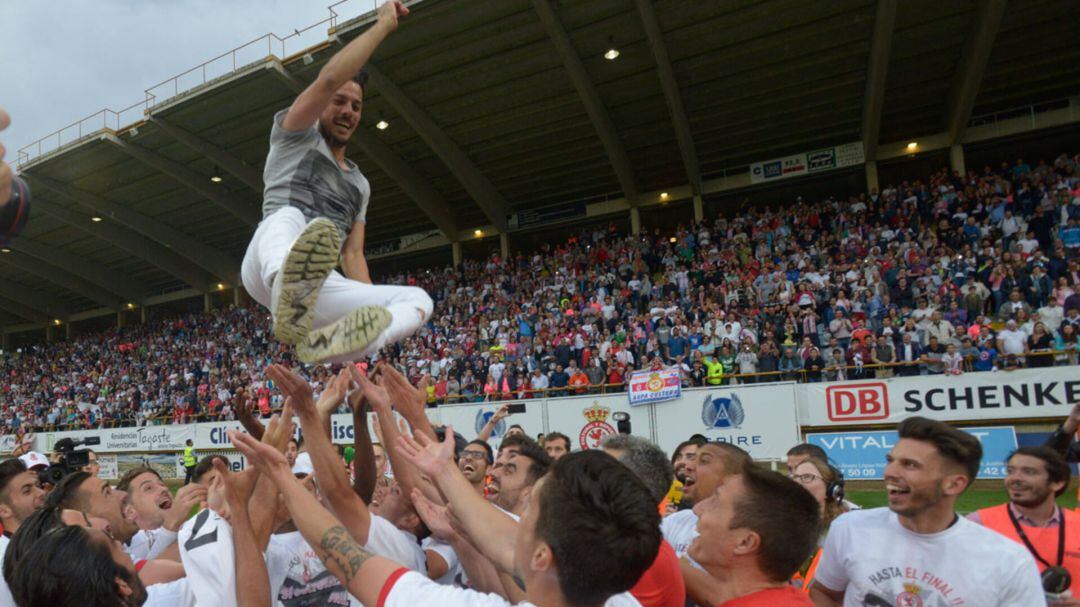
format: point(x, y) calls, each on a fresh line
point(946, 275)
point(429, 517)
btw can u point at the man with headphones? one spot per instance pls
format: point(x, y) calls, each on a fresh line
point(826, 483)
point(805, 451)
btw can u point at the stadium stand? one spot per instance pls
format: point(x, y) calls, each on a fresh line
point(981, 272)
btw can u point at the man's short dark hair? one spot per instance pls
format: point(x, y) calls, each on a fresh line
point(550, 436)
point(483, 444)
point(645, 460)
point(954, 445)
point(125, 481)
point(513, 441)
point(9, 469)
point(808, 450)
point(590, 499)
point(785, 516)
point(735, 458)
point(541, 461)
point(67, 568)
point(66, 493)
point(1056, 466)
point(206, 464)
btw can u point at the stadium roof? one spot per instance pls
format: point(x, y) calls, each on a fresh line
point(501, 106)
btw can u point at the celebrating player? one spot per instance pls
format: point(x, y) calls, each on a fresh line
point(314, 198)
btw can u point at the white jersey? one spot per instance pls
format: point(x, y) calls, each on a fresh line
point(455, 573)
point(171, 594)
point(679, 530)
point(206, 549)
point(148, 545)
point(6, 600)
point(876, 561)
point(409, 589)
point(298, 578)
point(384, 539)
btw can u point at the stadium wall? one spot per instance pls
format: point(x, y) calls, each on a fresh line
point(764, 419)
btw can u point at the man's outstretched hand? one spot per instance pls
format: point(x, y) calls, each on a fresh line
point(266, 459)
point(334, 394)
point(429, 456)
point(391, 12)
point(5, 170)
point(294, 388)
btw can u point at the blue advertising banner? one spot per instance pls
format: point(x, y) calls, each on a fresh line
point(861, 455)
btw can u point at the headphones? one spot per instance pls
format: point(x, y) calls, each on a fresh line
point(834, 491)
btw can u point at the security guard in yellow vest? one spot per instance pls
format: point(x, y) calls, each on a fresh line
point(189, 461)
point(714, 371)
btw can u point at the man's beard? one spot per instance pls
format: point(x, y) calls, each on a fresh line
point(1039, 497)
point(331, 141)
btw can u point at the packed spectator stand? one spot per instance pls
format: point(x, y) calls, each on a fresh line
point(945, 275)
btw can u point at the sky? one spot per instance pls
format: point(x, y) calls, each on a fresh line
point(63, 60)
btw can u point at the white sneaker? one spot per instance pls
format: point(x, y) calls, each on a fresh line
point(349, 335)
point(310, 260)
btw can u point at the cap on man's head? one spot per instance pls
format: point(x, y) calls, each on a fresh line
point(34, 460)
point(303, 464)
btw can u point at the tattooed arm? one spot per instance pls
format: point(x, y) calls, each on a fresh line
point(363, 573)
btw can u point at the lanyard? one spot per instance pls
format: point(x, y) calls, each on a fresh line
point(1027, 542)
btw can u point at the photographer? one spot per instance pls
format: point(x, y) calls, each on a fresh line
point(14, 195)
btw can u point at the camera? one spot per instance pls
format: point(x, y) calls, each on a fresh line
point(70, 459)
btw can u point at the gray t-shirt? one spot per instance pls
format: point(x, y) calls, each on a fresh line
point(302, 172)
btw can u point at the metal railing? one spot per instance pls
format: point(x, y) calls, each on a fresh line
point(223, 65)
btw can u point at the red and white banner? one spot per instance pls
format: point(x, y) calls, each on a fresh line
point(655, 386)
point(1004, 395)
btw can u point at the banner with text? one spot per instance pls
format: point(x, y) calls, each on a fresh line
point(758, 418)
point(807, 163)
point(118, 440)
point(1003, 395)
point(860, 455)
point(654, 386)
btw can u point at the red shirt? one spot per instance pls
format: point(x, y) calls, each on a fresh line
point(788, 596)
point(662, 583)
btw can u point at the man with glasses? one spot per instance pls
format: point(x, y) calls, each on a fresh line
point(93, 466)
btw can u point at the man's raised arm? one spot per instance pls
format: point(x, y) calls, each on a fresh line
point(364, 457)
point(341, 68)
point(330, 474)
point(491, 530)
point(363, 573)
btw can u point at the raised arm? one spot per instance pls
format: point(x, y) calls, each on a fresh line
point(333, 483)
point(363, 573)
point(410, 401)
point(379, 400)
point(364, 459)
point(482, 574)
point(252, 579)
point(263, 505)
point(491, 530)
point(489, 427)
point(341, 68)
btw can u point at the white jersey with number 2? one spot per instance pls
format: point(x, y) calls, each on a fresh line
point(206, 549)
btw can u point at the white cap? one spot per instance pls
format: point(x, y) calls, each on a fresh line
point(303, 464)
point(34, 459)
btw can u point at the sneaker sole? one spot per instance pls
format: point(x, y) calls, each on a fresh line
point(310, 260)
point(351, 333)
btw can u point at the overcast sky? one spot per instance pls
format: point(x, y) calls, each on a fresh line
point(62, 60)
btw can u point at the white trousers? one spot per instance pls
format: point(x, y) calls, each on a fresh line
point(409, 306)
